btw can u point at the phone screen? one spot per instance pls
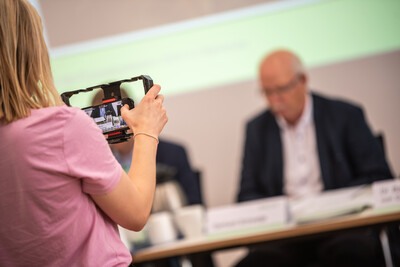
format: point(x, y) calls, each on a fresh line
point(107, 116)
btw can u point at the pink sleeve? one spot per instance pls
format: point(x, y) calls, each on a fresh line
point(89, 156)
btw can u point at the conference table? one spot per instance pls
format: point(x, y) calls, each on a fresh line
point(204, 244)
point(210, 243)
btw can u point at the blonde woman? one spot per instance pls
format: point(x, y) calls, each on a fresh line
point(62, 193)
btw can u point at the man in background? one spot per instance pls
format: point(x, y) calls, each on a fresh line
point(102, 111)
point(304, 144)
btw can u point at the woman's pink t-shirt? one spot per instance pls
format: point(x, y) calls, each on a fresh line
point(50, 163)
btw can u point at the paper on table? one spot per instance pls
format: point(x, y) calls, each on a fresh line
point(250, 215)
point(386, 195)
point(331, 204)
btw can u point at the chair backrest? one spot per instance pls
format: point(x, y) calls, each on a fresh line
point(198, 183)
point(379, 137)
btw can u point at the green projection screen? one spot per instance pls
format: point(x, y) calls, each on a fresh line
point(206, 53)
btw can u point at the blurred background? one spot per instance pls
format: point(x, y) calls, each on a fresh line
point(205, 55)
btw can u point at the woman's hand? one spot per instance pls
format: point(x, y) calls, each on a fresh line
point(149, 116)
point(129, 203)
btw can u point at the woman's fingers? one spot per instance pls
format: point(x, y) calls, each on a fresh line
point(124, 108)
point(160, 98)
point(153, 92)
point(149, 115)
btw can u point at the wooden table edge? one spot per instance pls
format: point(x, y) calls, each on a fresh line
point(292, 231)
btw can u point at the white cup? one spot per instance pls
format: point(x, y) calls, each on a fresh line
point(190, 220)
point(160, 228)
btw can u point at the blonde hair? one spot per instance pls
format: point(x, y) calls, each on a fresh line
point(26, 81)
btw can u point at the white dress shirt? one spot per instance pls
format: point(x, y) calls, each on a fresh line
point(102, 112)
point(301, 168)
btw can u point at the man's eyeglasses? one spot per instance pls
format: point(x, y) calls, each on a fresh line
point(282, 89)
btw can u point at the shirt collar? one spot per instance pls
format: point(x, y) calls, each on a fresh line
point(305, 119)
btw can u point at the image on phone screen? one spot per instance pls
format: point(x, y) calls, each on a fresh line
point(108, 116)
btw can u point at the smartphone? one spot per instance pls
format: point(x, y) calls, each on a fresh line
point(107, 116)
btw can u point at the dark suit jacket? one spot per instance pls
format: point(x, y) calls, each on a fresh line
point(175, 155)
point(108, 108)
point(348, 151)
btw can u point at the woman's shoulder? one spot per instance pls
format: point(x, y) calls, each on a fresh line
point(60, 113)
point(55, 119)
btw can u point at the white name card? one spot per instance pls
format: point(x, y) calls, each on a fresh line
point(386, 193)
point(247, 215)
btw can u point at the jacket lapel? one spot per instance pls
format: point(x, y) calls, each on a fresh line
point(322, 133)
point(273, 160)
